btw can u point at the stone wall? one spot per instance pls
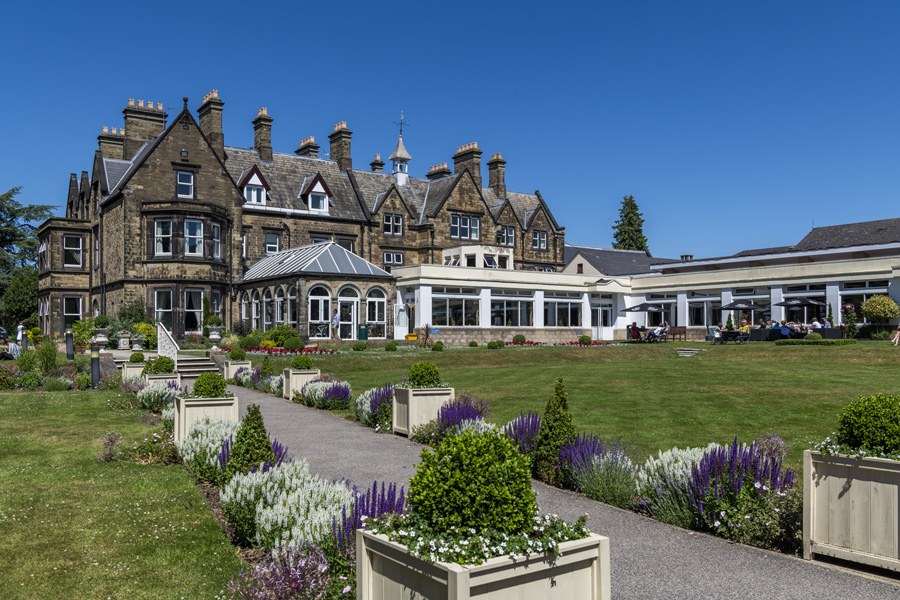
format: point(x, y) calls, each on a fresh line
point(461, 336)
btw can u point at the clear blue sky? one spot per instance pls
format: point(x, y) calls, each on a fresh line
point(735, 125)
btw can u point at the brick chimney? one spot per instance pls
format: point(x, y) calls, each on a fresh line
point(262, 134)
point(85, 194)
point(497, 175)
point(308, 148)
point(142, 124)
point(72, 198)
point(438, 171)
point(211, 122)
point(687, 257)
point(468, 157)
point(377, 164)
point(340, 146)
point(111, 142)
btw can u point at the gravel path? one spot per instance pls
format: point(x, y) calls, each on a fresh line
point(649, 560)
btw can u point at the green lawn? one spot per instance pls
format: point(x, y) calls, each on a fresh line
point(648, 395)
point(76, 528)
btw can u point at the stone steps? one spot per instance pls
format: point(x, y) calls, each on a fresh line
point(190, 367)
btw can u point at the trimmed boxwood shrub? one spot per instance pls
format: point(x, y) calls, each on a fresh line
point(136, 357)
point(251, 341)
point(423, 375)
point(237, 354)
point(473, 344)
point(871, 422)
point(814, 342)
point(437, 347)
point(101, 322)
point(294, 343)
point(519, 338)
point(495, 345)
point(209, 385)
point(359, 346)
point(162, 365)
point(251, 445)
point(391, 346)
point(472, 480)
point(585, 340)
point(213, 321)
point(811, 337)
point(302, 363)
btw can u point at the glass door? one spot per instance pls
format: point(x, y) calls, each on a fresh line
point(347, 309)
point(193, 310)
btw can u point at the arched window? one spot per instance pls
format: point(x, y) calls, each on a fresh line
point(292, 307)
point(245, 306)
point(267, 310)
point(319, 312)
point(376, 310)
point(279, 307)
point(256, 310)
point(96, 309)
point(348, 309)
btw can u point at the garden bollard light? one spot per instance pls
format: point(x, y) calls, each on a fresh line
point(95, 367)
point(70, 345)
point(24, 342)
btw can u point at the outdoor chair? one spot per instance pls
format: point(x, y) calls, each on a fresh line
point(635, 334)
point(710, 334)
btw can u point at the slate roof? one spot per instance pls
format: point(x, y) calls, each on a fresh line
point(113, 171)
point(614, 263)
point(324, 258)
point(759, 251)
point(884, 231)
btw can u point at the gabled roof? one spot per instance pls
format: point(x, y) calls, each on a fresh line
point(884, 231)
point(324, 258)
point(612, 262)
point(248, 174)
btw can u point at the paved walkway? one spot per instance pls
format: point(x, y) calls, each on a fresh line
point(649, 560)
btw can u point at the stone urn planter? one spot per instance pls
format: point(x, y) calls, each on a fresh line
point(294, 380)
point(386, 571)
point(215, 336)
point(851, 509)
point(233, 366)
point(136, 343)
point(124, 341)
point(131, 369)
point(151, 379)
point(101, 336)
point(416, 406)
point(188, 410)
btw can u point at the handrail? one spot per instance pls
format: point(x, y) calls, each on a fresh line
point(166, 344)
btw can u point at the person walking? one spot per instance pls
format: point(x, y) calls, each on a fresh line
point(20, 332)
point(335, 322)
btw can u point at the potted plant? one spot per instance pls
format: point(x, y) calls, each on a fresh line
point(300, 373)
point(418, 399)
point(850, 483)
point(237, 360)
point(208, 398)
point(134, 366)
point(82, 330)
point(101, 330)
point(214, 324)
point(471, 524)
point(34, 337)
point(162, 368)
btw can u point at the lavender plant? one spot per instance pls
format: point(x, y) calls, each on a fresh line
point(523, 431)
point(295, 572)
point(374, 407)
point(158, 395)
point(201, 448)
point(663, 485)
point(605, 471)
point(371, 504)
point(328, 395)
point(109, 449)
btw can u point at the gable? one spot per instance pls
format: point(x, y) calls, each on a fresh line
point(253, 176)
point(392, 202)
point(507, 216)
point(465, 196)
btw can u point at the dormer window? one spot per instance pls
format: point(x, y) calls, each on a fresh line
point(256, 188)
point(255, 194)
point(185, 184)
point(318, 202)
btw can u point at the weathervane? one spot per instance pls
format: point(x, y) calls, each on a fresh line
point(401, 123)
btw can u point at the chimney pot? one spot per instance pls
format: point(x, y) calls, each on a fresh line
point(262, 134)
point(308, 148)
point(377, 164)
point(468, 157)
point(131, 102)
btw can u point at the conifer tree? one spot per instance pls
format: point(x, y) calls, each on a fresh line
point(252, 446)
point(556, 429)
point(628, 230)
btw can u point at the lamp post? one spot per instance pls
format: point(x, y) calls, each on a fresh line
point(70, 344)
point(95, 366)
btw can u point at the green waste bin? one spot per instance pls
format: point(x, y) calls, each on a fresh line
point(363, 332)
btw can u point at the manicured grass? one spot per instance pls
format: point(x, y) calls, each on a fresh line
point(73, 527)
point(648, 395)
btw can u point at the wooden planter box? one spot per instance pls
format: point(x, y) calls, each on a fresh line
point(294, 380)
point(188, 410)
point(416, 406)
point(132, 369)
point(233, 366)
point(851, 509)
point(386, 571)
point(151, 379)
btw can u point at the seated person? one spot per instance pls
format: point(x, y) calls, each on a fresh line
point(761, 324)
point(744, 328)
point(717, 333)
point(826, 324)
point(816, 324)
point(785, 330)
point(635, 333)
point(655, 333)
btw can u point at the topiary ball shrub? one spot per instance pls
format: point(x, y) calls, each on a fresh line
point(251, 341)
point(390, 346)
point(495, 345)
point(473, 344)
point(437, 347)
point(251, 446)
point(294, 343)
point(210, 385)
point(424, 375)
point(162, 365)
point(136, 357)
point(213, 321)
point(301, 363)
point(236, 354)
point(359, 346)
point(101, 322)
point(814, 336)
point(266, 369)
point(472, 480)
point(584, 340)
point(519, 338)
point(872, 423)
point(556, 429)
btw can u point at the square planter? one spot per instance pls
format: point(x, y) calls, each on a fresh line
point(294, 380)
point(851, 509)
point(386, 571)
point(188, 410)
point(151, 379)
point(416, 406)
point(132, 369)
point(233, 366)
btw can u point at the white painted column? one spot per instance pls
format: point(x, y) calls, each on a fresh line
point(681, 309)
point(423, 305)
point(484, 307)
point(833, 298)
point(776, 294)
point(539, 308)
point(586, 312)
point(727, 298)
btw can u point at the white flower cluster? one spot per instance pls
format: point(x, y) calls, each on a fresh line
point(243, 378)
point(168, 414)
point(205, 439)
point(290, 505)
point(479, 426)
point(134, 380)
point(159, 394)
point(363, 406)
point(313, 393)
point(275, 385)
point(674, 465)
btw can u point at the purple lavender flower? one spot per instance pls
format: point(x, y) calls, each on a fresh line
point(372, 504)
point(466, 407)
point(578, 457)
point(337, 396)
point(292, 572)
point(523, 430)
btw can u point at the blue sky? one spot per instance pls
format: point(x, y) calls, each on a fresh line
point(735, 125)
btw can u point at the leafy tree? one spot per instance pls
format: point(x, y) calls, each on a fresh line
point(19, 302)
point(629, 232)
point(18, 242)
point(880, 309)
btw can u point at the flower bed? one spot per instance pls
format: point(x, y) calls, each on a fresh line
point(593, 343)
point(263, 351)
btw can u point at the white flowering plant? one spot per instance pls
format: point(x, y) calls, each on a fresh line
point(158, 395)
point(201, 447)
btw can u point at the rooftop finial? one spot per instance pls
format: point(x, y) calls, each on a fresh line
point(401, 123)
point(185, 98)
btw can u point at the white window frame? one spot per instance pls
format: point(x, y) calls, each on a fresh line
point(475, 228)
point(157, 311)
point(393, 224)
point(216, 304)
point(66, 314)
point(96, 251)
point(184, 179)
point(79, 250)
point(217, 240)
point(198, 310)
point(539, 240)
point(376, 305)
point(324, 199)
point(198, 237)
point(352, 244)
point(320, 328)
point(292, 307)
point(279, 307)
point(272, 248)
point(255, 194)
point(507, 236)
point(244, 244)
point(466, 228)
point(160, 237)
